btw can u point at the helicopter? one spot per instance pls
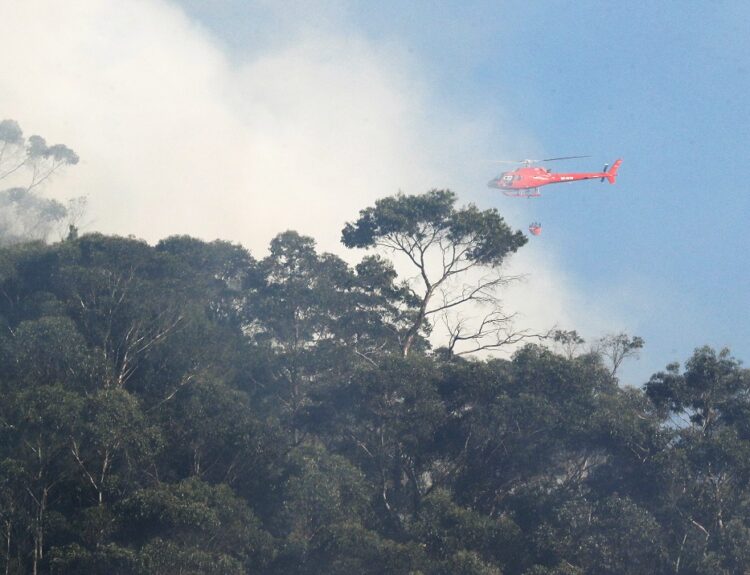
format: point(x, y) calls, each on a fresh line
point(524, 182)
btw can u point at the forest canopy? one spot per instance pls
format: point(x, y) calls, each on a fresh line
point(189, 408)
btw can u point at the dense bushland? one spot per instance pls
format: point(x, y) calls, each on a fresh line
point(186, 408)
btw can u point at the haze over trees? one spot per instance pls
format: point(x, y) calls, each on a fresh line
point(26, 165)
point(188, 408)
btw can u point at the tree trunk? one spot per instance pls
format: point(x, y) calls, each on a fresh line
point(39, 532)
point(414, 329)
point(8, 532)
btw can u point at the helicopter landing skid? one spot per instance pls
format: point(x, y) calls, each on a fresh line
point(527, 193)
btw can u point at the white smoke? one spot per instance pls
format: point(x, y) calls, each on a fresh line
point(175, 138)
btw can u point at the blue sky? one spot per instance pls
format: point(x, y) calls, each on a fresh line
point(663, 85)
point(241, 118)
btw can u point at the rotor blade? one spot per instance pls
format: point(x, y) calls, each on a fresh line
point(563, 158)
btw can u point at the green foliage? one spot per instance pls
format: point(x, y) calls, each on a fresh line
point(427, 216)
point(712, 387)
point(320, 490)
point(468, 563)
point(186, 527)
point(351, 548)
point(443, 245)
point(612, 535)
point(109, 559)
point(464, 537)
point(186, 408)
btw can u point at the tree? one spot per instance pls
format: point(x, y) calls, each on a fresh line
point(114, 438)
point(457, 254)
point(712, 391)
point(313, 315)
point(320, 490)
point(305, 299)
point(707, 470)
point(184, 408)
point(26, 214)
point(618, 347)
point(568, 341)
point(123, 301)
point(450, 531)
point(385, 418)
point(40, 421)
point(611, 535)
point(211, 433)
point(194, 527)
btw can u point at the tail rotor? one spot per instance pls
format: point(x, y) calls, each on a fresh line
point(611, 175)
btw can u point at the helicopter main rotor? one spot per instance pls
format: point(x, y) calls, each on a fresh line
point(526, 163)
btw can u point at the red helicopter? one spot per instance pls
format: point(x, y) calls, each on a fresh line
point(525, 182)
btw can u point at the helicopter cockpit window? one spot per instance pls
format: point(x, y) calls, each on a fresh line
point(508, 178)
